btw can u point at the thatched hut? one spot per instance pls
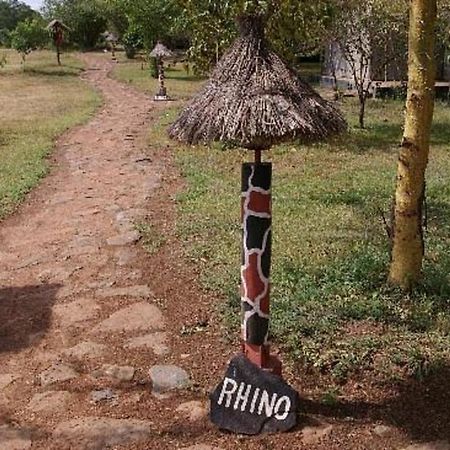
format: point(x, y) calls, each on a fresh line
point(254, 100)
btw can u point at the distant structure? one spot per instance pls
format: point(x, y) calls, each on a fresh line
point(57, 29)
point(112, 40)
point(160, 52)
point(337, 71)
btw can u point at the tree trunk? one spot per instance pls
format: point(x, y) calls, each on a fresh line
point(58, 55)
point(408, 244)
point(362, 110)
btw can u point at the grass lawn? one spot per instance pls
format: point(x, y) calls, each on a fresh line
point(39, 101)
point(332, 312)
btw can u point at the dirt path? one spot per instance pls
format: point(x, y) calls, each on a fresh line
point(81, 325)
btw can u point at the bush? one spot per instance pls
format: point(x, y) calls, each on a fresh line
point(28, 36)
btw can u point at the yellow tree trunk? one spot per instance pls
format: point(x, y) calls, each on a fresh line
point(408, 245)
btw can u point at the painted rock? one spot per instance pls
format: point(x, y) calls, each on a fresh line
point(250, 400)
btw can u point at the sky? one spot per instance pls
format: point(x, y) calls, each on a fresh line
point(35, 4)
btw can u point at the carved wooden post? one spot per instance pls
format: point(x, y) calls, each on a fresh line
point(256, 259)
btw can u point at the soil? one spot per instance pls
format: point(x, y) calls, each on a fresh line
point(71, 264)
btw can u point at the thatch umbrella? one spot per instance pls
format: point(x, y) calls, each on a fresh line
point(254, 100)
point(160, 52)
point(57, 29)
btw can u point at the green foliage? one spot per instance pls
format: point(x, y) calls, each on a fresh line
point(29, 35)
point(294, 27)
point(132, 40)
point(87, 19)
point(153, 67)
point(12, 12)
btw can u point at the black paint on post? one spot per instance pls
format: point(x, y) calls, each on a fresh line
point(250, 400)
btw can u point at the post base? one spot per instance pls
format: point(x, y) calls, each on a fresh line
point(260, 356)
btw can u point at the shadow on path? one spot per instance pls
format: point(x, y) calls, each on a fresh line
point(25, 311)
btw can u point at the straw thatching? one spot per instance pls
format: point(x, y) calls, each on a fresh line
point(161, 51)
point(56, 23)
point(110, 37)
point(254, 100)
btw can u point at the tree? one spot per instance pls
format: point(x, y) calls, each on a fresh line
point(11, 13)
point(408, 242)
point(294, 26)
point(28, 36)
point(369, 35)
point(87, 19)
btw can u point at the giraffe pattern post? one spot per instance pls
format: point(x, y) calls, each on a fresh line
point(256, 252)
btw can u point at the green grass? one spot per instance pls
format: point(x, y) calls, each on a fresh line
point(179, 84)
point(332, 312)
point(39, 101)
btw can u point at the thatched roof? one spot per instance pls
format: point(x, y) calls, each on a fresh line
point(110, 37)
point(254, 100)
point(57, 23)
point(161, 51)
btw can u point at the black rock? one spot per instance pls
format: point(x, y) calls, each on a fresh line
point(250, 400)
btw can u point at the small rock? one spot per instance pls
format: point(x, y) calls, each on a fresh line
point(382, 430)
point(167, 378)
point(99, 433)
point(121, 373)
point(125, 256)
point(50, 401)
point(57, 373)
point(86, 349)
point(124, 239)
point(104, 395)
point(155, 341)
point(194, 410)
point(14, 438)
point(129, 291)
point(437, 445)
point(6, 379)
point(139, 316)
point(314, 433)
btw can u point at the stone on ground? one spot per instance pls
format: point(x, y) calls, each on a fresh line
point(86, 349)
point(154, 341)
point(193, 411)
point(95, 433)
point(49, 402)
point(312, 434)
point(14, 438)
point(124, 239)
point(57, 373)
point(137, 317)
point(120, 373)
point(129, 291)
point(69, 314)
point(168, 378)
point(382, 430)
point(104, 395)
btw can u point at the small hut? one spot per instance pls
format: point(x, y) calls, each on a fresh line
point(57, 29)
point(254, 100)
point(160, 52)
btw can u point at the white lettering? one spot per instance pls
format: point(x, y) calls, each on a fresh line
point(228, 393)
point(255, 397)
point(287, 408)
point(243, 398)
point(264, 403)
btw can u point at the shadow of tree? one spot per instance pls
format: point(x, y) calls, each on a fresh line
point(64, 71)
point(25, 311)
point(420, 408)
